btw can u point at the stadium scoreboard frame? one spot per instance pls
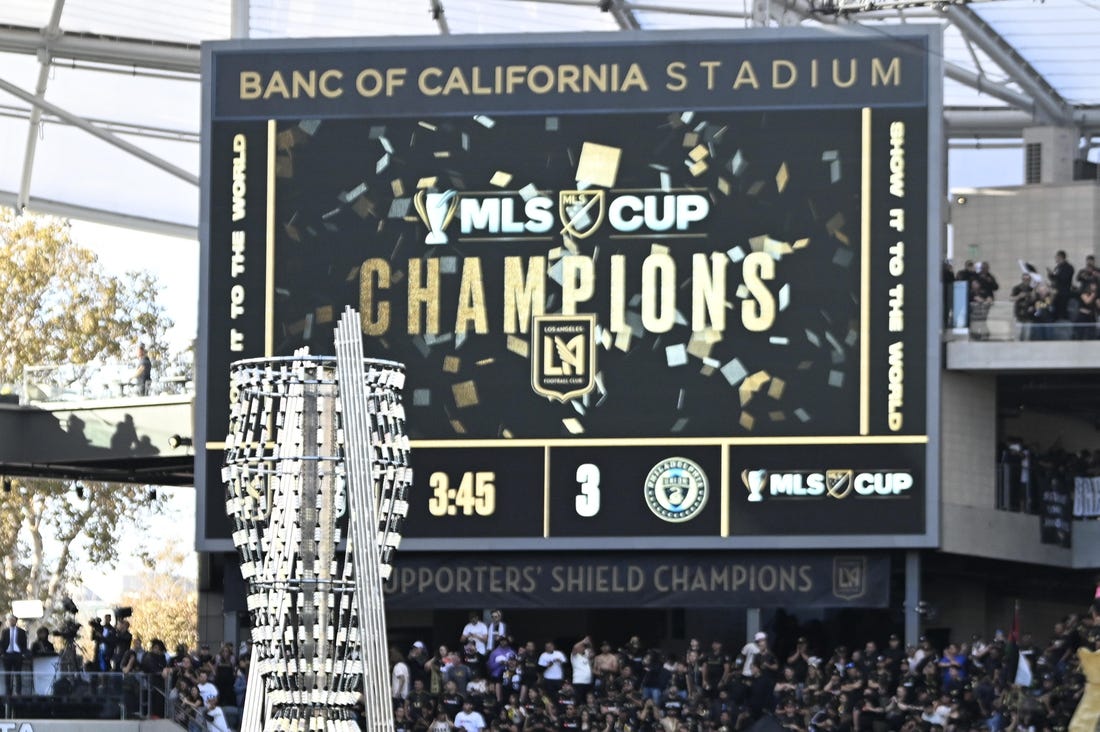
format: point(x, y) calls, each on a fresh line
point(647, 286)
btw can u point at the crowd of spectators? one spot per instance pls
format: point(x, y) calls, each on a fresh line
point(1024, 472)
point(1059, 306)
point(600, 687)
point(189, 686)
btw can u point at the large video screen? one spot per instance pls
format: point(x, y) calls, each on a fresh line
point(643, 285)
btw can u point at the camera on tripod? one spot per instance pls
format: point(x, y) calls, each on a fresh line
point(69, 631)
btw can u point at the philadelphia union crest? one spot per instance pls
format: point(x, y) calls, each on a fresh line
point(676, 490)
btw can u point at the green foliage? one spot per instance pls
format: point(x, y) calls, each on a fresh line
point(60, 307)
point(167, 605)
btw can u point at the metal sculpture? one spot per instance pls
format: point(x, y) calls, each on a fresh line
point(313, 440)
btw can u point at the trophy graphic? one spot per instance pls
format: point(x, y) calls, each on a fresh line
point(436, 211)
point(754, 480)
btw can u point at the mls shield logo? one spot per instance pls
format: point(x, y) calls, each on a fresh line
point(581, 212)
point(563, 358)
point(839, 482)
point(849, 577)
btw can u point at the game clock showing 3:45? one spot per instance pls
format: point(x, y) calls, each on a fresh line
point(476, 492)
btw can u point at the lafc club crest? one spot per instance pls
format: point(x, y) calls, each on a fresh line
point(849, 577)
point(563, 359)
point(676, 489)
point(581, 212)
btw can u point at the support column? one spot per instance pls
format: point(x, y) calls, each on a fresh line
point(752, 622)
point(912, 596)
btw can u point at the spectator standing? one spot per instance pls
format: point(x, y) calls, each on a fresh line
point(552, 662)
point(143, 372)
point(496, 630)
point(417, 661)
point(1085, 318)
point(42, 645)
point(240, 682)
point(580, 660)
point(215, 717)
point(497, 664)
point(13, 642)
point(399, 678)
point(206, 689)
point(1022, 296)
point(1088, 273)
point(1061, 279)
point(476, 631)
point(987, 283)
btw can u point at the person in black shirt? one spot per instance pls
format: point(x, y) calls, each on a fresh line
point(421, 704)
point(401, 722)
point(716, 669)
point(1061, 278)
point(450, 701)
point(570, 720)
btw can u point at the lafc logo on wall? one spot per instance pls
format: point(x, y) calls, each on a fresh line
point(563, 361)
point(676, 489)
point(849, 577)
point(581, 212)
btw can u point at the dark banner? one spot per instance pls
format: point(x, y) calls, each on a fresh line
point(640, 580)
point(482, 75)
point(1056, 514)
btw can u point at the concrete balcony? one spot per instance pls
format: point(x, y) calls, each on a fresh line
point(135, 440)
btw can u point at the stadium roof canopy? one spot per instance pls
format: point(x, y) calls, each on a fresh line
point(99, 99)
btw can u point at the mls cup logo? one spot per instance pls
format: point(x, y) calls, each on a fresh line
point(754, 481)
point(581, 212)
point(436, 211)
point(839, 482)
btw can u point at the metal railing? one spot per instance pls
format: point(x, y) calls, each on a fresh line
point(997, 322)
point(69, 382)
point(46, 692)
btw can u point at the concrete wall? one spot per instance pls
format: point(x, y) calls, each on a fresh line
point(967, 607)
point(1045, 430)
point(1002, 225)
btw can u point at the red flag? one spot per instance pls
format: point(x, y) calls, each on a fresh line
point(1014, 635)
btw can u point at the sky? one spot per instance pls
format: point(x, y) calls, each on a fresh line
point(174, 261)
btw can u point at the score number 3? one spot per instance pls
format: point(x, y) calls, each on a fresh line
point(476, 494)
point(588, 500)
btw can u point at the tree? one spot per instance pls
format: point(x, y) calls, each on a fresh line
point(167, 605)
point(60, 307)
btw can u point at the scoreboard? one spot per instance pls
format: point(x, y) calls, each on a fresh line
point(660, 289)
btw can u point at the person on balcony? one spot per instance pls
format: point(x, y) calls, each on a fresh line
point(143, 374)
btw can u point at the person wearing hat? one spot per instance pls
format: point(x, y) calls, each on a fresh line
point(894, 653)
point(497, 662)
point(416, 660)
point(747, 659)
